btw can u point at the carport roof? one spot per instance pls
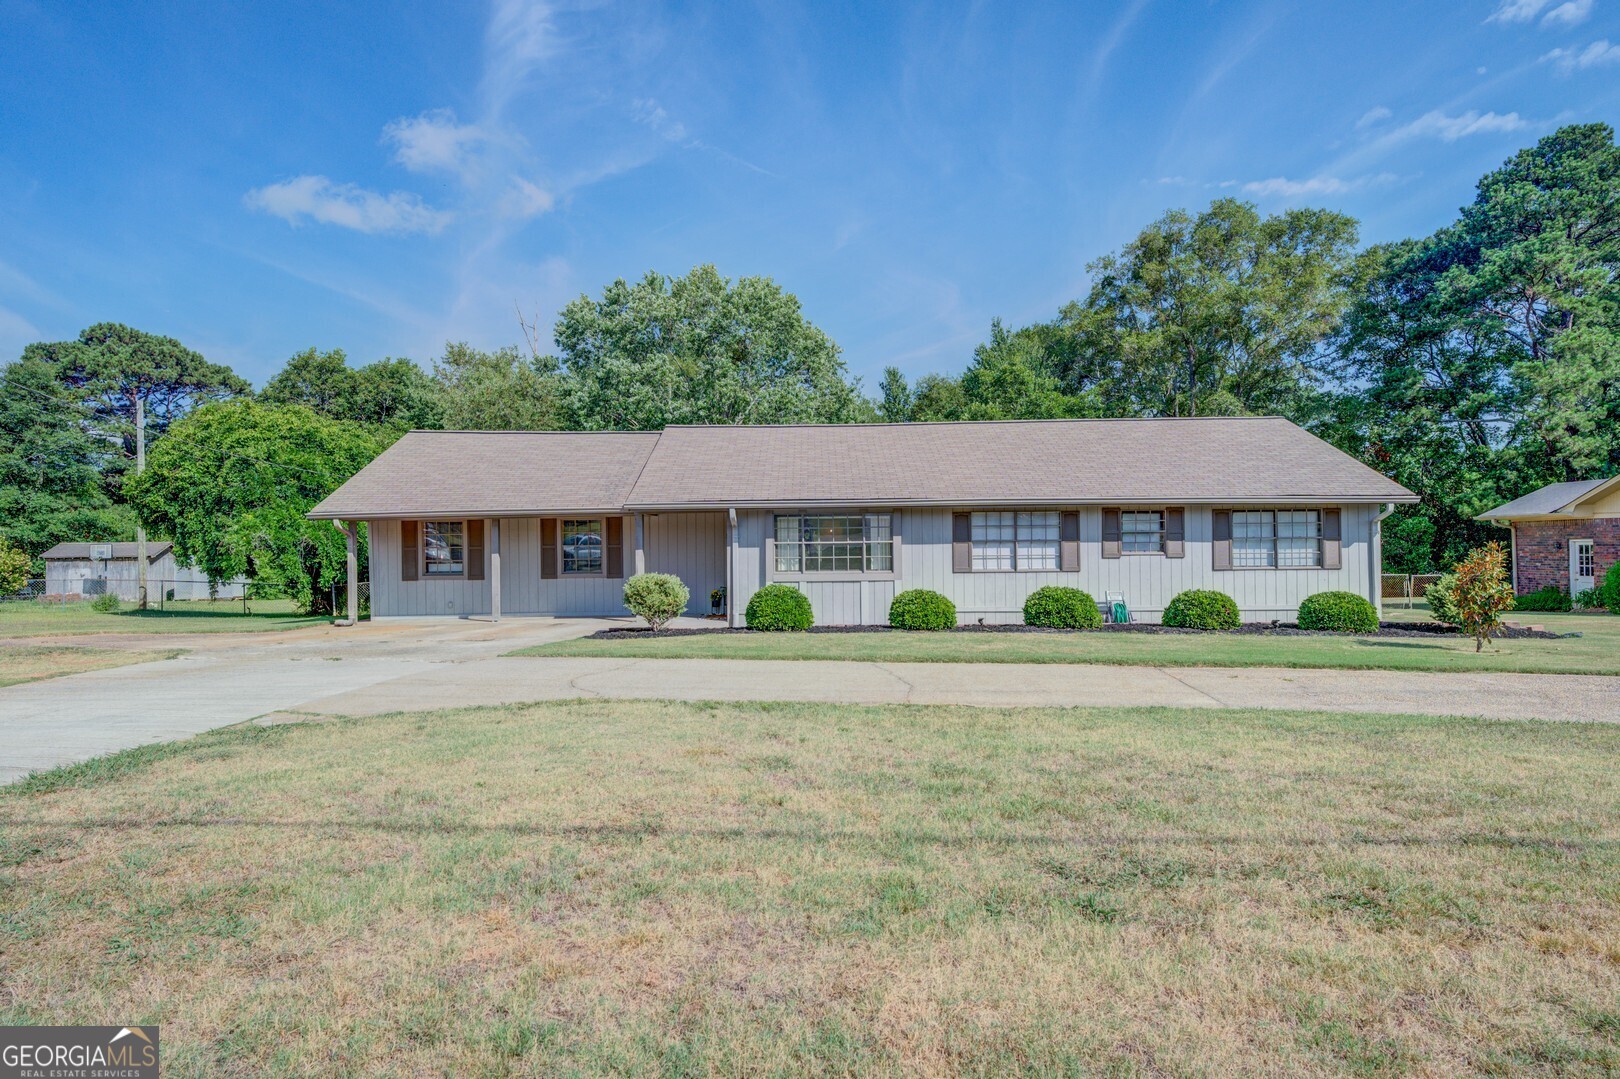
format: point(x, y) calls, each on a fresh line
point(493, 473)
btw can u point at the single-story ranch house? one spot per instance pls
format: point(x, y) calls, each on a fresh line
point(1565, 534)
point(551, 522)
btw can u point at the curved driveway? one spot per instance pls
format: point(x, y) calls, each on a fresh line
point(226, 679)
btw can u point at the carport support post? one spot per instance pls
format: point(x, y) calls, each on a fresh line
point(731, 563)
point(641, 543)
point(495, 569)
point(351, 535)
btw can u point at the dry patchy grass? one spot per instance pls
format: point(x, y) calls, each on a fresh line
point(25, 663)
point(634, 887)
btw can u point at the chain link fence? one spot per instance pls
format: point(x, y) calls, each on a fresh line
point(1407, 586)
point(161, 593)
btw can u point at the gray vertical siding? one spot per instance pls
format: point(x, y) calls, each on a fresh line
point(693, 547)
point(1147, 581)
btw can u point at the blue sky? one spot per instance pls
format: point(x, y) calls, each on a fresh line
point(382, 179)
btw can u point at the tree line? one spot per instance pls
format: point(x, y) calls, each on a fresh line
point(1471, 365)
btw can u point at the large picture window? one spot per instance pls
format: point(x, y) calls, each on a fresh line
point(847, 543)
point(1276, 538)
point(582, 547)
point(1007, 540)
point(443, 548)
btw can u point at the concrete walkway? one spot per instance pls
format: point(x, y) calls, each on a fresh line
point(397, 667)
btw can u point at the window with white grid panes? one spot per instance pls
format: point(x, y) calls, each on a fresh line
point(1008, 540)
point(1286, 539)
point(1141, 531)
point(835, 543)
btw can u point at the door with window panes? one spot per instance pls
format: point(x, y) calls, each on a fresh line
point(1582, 568)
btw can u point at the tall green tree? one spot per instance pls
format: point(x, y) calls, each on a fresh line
point(1220, 312)
point(390, 392)
point(232, 485)
point(496, 391)
point(699, 349)
point(50, 465)
point(1484, 360)
point(895, 399)
point(1020, 375)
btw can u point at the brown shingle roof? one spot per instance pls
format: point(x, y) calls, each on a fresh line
point(489, 473)
point(1214, 460)
point(1553, 498)
point(1217, 460)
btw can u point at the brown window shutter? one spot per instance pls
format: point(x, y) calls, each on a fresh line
point(1331, 542)
point(410, 550)
point(615, 547)
point(1069, 543)
point(1175, 533)
point(961, 543)
point(474, 554)
point(1221, 549)
point(548, 548)
point(1110, 535)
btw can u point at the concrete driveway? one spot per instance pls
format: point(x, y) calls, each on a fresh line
point(389, 667)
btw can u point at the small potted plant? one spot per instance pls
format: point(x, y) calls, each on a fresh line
point(717, 600)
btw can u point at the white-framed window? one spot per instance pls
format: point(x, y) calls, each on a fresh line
point(444, 548)
point(1015, 540)
point(1141, 531)
point(1289, 539)
point(835, 543)
point(582, 546)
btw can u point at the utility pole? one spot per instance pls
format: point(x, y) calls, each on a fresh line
point(140, 529)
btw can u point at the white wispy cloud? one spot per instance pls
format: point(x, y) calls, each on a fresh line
point(1439, 125)
point(435, 141)
point(316, 198)
point(1375, 115)
point(524, 199)
point(521, 35)
point(650, 114)
point(1571, 13)
point(1598, 54)
point(1511, 11)
point(1283, 187)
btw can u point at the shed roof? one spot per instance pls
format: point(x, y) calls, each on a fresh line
point(121, 552)
point(1219, 459)
point(493, 473)
point(1553, 498)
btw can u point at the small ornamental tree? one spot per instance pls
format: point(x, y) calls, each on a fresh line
point(1482, 592)
point(14, 566)
point(657, 597)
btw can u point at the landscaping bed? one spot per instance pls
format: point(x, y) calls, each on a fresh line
point(1426, 630)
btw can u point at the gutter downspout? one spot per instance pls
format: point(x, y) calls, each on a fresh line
point(1375, 553)
point(731, 562)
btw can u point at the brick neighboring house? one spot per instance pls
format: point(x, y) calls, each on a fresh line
point(1565, 534)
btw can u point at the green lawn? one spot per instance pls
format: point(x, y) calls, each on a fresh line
point(36, 619)
point(1597, 652)
point(26, 663)
point(638, 887)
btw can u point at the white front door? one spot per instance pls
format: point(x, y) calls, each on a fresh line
point(1582, 573)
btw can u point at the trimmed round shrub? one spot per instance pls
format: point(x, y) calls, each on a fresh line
point(778, 608)
point(918, 608)
point(1340, 612)
point(1551, 598)
point(1201, 608)
point(1056, 607)
point(1442, 600)
point(106, 603)
point(657, 597)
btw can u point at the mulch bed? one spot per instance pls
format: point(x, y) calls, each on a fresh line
point(1257, 629)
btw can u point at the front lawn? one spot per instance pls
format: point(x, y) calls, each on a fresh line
point(25, 663)
point(25, 618)
point(639, 887)
point(1597, 652)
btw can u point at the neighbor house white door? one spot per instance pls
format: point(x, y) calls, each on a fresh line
point(1582, 573)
